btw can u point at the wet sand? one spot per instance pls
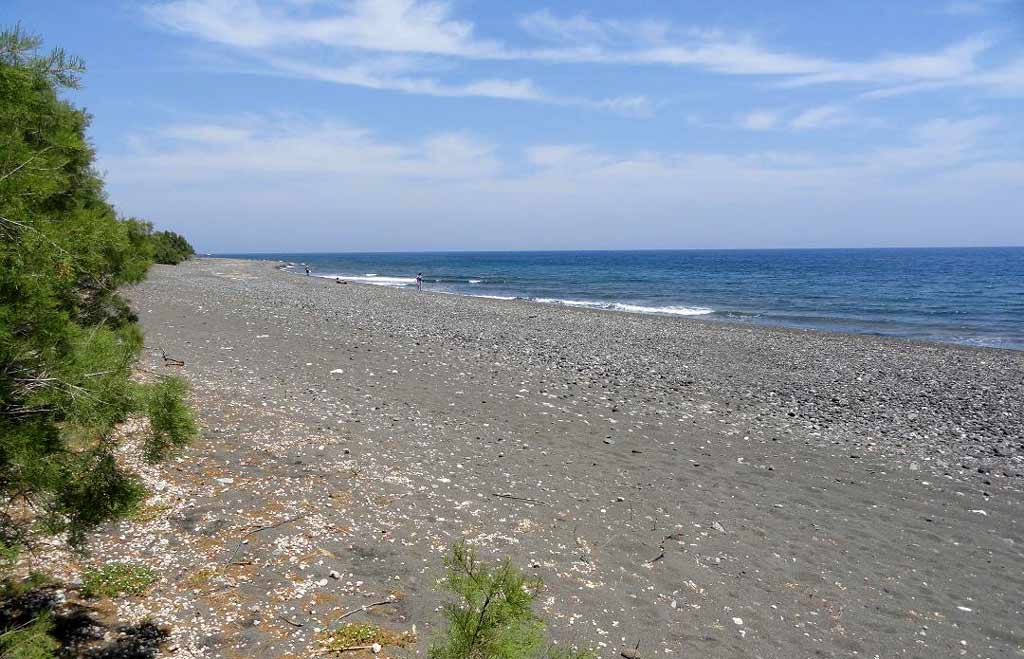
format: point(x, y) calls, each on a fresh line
point(708, 490)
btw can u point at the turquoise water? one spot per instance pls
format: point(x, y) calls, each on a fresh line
point(965, 295)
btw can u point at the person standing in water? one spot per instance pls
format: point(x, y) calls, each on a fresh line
point(307, 270)
point(419, 281)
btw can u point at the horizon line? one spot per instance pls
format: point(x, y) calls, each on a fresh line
point(606, 250)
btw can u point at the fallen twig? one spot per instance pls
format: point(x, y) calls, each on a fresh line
point(234, 552)
point(364, 607)
point(275, 525)
point(290, 622)
point(526, 499)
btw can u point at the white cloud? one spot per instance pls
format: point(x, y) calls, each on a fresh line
point(824, 116)
point(818, 117)
point(759, 120)
point(974, 7)
point(400, 26)
point(951, 63)
point(206, 133)
point(337, 183)
point(270, 148)
point(291, 34)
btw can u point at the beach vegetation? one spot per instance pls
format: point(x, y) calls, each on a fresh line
point(31, 640)
point(68, 341)
point(363, 635)
point(170, 248)
point(115, 579)
point(170, 419)
point(491, 615)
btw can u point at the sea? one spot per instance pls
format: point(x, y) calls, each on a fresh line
point(972, 296)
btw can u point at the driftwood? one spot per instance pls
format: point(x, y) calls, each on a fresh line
point(661, 546)
point(171, 361)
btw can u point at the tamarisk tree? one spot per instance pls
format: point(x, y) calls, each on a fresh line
point(68, 341)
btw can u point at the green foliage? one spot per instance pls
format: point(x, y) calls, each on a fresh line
point(30, 641)
point(169, 417)
point(170, 248)
point(68, 341)
point(362, 634)
point(26, 624)
point(572, 653)
point(492, 616)
point(116, 579)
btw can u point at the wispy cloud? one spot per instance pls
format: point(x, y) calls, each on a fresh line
point(824, 116)
point(974, 7)
point(818, 117)
point(292, 39)
point(759, 120)
point(382, 45)
point(324, 171)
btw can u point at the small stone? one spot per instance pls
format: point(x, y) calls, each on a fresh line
point(737, 621)
point(376, 647)
point(334, 574)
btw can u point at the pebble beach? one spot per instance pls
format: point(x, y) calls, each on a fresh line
point(684, 488)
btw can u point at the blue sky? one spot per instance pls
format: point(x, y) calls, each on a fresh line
point(308, 125)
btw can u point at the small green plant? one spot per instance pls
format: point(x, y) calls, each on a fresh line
point(116, 579)
point(170, 418)
point(492, 616)
point(572, 653)
point(362, 635)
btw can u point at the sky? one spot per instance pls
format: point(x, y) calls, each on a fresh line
point(394, 125)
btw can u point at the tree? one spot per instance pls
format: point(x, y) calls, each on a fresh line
point(492, 614)
point(68, 341)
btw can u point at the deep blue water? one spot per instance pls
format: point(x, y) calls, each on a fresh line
point(963, 295)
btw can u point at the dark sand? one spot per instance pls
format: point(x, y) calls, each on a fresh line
point(707, 490)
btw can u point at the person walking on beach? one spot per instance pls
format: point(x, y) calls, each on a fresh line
point(419, 281)
point(307, 270)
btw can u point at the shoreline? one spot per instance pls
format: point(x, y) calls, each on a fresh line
point(283, 268)
point(710, 490)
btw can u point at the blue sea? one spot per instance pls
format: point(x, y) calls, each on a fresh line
point(971, 296)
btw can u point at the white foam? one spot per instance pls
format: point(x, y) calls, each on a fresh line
point(376, 280)
point(672, 311)
point(496, 297)
point(629, 308)
point(475, 281)
point(572, 303)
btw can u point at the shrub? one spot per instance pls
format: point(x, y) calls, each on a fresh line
point(170, 418)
